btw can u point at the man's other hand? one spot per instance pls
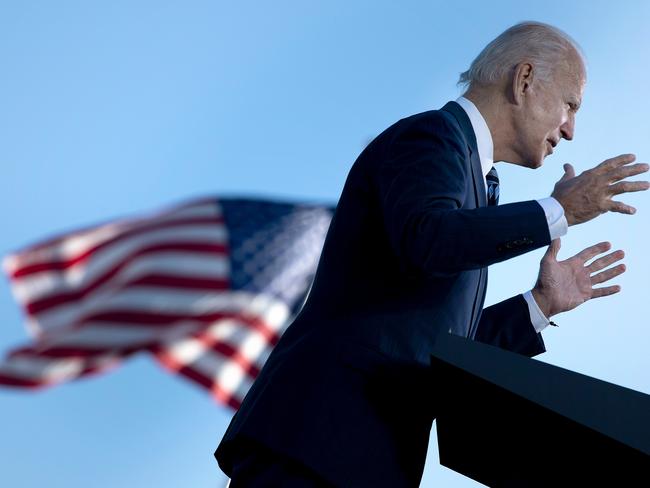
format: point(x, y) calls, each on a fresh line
point(563, 285)
point(590, 194)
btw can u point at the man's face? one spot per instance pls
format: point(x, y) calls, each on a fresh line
point(548, 114)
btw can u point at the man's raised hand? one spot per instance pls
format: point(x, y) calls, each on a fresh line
point(589, 194)
point(563, 285)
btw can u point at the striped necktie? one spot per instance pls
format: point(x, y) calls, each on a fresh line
point(492, 179)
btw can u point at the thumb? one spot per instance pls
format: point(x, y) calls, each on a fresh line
point(553, 249)
point(569, 172)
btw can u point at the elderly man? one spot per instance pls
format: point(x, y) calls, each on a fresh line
point(344, 399)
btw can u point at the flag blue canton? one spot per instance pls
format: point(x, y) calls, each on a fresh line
point(274, 247)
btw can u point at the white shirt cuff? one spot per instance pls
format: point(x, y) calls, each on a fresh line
point(557, 224)
point(537, 317)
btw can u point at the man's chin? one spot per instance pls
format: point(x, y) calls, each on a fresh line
point(535, 162)
point(529, 163)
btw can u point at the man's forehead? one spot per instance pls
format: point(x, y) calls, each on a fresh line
point(578, 89)
point(578, 72)
point(572, 67)
point(572, 79)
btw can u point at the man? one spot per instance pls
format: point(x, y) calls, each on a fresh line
point(344, 399)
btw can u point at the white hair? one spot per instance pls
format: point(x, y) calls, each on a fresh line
point(543, 45)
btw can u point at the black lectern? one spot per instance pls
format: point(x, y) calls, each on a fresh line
point(507, 420)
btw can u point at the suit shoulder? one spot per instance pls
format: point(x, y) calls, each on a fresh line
point(440, 118)
point(429, 130)
point(436, 123)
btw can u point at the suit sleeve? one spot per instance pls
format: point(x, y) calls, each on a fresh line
point(423, 184)
point(507, 325)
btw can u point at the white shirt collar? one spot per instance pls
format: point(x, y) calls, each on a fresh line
point(482, 132)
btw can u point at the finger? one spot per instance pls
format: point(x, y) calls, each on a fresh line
point(613, 163)
point(628, 186)
point(626, 171)
point(569, 172)
point(620, 207)
point(592, 251)
point(553, 249)
point(608, 274)
point(605, 291)
point(602, 263)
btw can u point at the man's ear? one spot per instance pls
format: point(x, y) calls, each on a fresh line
point(522, 80)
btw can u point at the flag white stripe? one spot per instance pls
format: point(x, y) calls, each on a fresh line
point(193, 302)
point(165, 300)
point(250, 344)
point(273, 313)
point(183, 264)
point(112, 335)
point(173, 264)
point(76, 243)
point(53, 370)
point(229, 375)
point(40, 285)
point(116, 335)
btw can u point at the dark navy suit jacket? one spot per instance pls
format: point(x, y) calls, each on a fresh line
point(347, 390)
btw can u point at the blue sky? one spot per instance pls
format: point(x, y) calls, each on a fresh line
point(112, 108)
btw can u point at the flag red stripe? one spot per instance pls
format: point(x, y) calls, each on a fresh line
point(127, 318)
point(6, 380)
point(41, 305)
point(224, 397)
point(229, 351)
point(219, 346)
point(128, 222)
point(208, 383)
point(143, 229)
point(76, 352)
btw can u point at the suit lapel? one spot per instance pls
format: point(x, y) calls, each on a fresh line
point(481, 201)
point(470, 139)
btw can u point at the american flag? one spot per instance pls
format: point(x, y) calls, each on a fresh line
point(206, 288)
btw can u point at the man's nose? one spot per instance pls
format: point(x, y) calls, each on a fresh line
point(567, 128)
